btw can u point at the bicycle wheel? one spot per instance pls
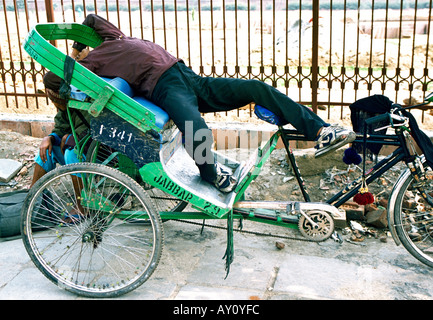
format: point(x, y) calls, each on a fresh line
point(100, 153)
point(413, 217)
point(77, 226)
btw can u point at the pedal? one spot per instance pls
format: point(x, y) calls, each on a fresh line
point(293, 208)
point(337, 237)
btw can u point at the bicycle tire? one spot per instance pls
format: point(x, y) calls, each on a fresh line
point(413, 217)
point(99, 253)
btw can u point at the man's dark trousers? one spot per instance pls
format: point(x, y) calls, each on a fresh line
point(184, 95)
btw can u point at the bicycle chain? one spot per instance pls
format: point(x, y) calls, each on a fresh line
point(244, 231)
point(237, 230)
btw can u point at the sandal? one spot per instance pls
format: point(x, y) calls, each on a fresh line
point(72, 217)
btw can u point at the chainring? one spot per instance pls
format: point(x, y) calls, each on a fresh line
point(323, 228)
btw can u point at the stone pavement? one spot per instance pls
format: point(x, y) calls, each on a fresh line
point(192, 268)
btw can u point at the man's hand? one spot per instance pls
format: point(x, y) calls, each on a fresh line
point(46, 144)
point(75, 53)
point(79, 55)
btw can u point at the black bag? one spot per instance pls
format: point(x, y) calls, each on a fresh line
point(366, 108)
point(377, 104)
point(11, 204)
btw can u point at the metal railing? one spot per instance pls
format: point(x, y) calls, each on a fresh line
point(322, 53)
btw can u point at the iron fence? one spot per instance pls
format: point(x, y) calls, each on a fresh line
point(322, 53)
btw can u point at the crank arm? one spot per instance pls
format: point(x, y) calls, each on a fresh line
point(314, 224)
point(297, 209)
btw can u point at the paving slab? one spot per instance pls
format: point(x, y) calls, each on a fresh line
point(8, 169)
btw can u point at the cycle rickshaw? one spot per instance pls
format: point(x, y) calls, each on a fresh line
point(147, 177)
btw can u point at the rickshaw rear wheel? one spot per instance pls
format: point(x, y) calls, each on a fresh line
point(79, 228)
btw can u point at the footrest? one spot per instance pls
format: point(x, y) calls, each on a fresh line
point(182, 169)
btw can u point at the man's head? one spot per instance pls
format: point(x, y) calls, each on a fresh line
point(52, 85)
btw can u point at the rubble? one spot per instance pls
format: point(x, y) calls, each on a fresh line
point(377, 218)
point(353, 210)
point(357, 236)
point(20, 150)
point(280, 245)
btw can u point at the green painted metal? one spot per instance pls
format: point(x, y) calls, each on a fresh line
point(99, 104)
point(154, 174)
point(267, 216)
point(73, 31)
point(262, 157)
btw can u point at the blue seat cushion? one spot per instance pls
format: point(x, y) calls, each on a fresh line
point(161, 117)
point(118, 83)
point(268, 116)
point(121, 84)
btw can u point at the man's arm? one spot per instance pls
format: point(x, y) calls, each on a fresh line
point(104, 28)
point(61, 127)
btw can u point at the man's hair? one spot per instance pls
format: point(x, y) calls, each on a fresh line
point(52, 81)
point(52, 85)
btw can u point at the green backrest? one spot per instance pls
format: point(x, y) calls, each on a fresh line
point(41, 50)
